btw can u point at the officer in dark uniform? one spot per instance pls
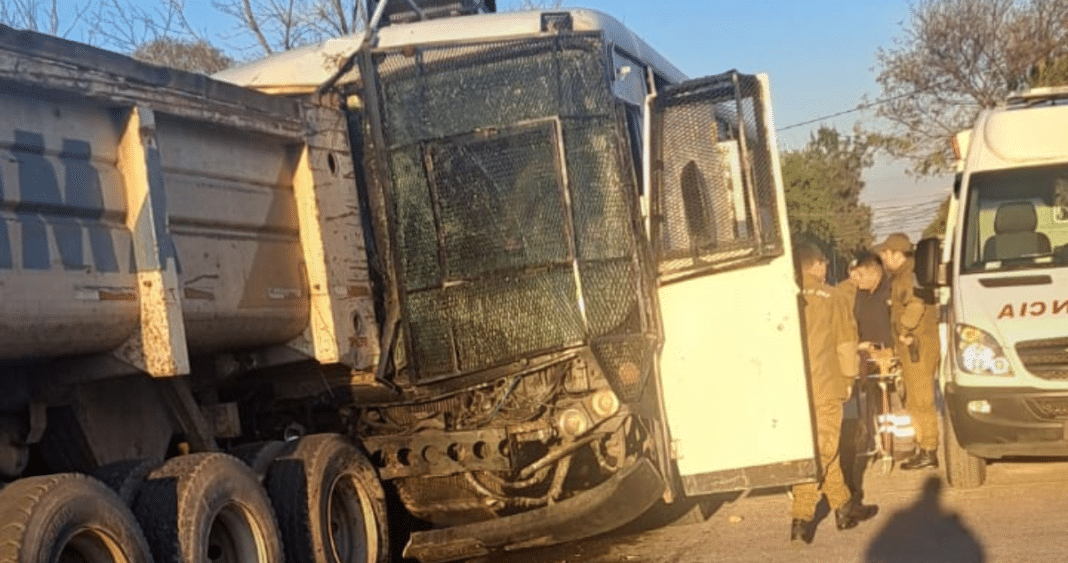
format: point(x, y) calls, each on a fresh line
point(868, 288)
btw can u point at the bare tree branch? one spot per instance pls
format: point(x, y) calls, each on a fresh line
point(957, 57)
point(268, 26)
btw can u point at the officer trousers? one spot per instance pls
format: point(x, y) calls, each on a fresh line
point(832, 484)
point(919, 380)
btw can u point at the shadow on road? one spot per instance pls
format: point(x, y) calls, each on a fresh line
point(925, 532)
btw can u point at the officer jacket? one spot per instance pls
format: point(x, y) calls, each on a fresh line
point(829, 342)
point(910, 314)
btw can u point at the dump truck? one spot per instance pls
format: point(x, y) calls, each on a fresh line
point(463, 283)
point(1001, 272)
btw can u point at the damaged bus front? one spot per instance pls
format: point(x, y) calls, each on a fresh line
point(583, 284)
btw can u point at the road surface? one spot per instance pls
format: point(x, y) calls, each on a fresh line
point(1020, 515)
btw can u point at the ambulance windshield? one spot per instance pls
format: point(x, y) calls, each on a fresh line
point(1016, 219)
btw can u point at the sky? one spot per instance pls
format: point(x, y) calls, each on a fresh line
point(820, 56)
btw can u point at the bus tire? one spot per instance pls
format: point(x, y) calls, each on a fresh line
point(207, 507)
point(67, 517)
point(330, 504)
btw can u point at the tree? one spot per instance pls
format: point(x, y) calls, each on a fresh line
point(268, 26)
point(189, 55)
point(51, 17)
point(823, 185)
point(937, 226)
point(957, 57)
point(156, 32)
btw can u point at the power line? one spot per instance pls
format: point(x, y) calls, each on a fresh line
point(861, 107)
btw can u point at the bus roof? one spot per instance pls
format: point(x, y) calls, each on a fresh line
point(302, 70)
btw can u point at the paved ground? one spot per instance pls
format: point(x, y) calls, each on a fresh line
point(1020, 515)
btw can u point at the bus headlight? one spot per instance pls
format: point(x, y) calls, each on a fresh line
point(979, 353)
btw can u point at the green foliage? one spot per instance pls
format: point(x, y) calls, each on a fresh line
point(823, 185)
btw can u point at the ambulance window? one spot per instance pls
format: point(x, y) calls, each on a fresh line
point(1060, 200)
point(1016, 219)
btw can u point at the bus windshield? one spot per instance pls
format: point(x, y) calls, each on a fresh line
point(1016, 219)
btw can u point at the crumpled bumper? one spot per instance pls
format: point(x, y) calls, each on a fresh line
point(617, 501)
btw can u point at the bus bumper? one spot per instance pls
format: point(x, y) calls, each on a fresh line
point(617, 501)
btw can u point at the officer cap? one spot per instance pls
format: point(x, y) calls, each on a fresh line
point(894, 241)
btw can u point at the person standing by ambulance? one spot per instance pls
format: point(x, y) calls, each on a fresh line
point(914, 320)
point(832, 363)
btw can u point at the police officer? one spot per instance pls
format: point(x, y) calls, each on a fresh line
point(869, 290)
point(914, 320)
point(831, 347)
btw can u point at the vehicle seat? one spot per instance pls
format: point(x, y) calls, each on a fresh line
point(1014, 233)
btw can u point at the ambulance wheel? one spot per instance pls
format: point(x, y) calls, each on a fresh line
point(963, 470)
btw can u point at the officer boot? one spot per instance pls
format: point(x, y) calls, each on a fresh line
point(853, 513)
point(802, 530)
point(923, 458)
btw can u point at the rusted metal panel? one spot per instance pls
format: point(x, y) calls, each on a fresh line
point(159, 346)
point(65, 287)
point(342, 325)
point(233, 222)
point(40, 65)
point(441, 453)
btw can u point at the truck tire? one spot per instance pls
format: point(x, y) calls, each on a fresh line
point(330, 504)
point(259, 455)
point(963, 470)
point(125, 477)
point(67, 517)
point(207, 507)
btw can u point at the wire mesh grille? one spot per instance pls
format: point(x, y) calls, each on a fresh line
point(716, 199)
point(625, 360)
point(512, 200)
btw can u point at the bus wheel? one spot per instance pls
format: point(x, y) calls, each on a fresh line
point(67, 518)
point(331, 507)
point(207, 507)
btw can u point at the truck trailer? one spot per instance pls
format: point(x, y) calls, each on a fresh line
point(465, 282)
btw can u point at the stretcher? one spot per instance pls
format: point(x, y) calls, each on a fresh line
point(891, 429)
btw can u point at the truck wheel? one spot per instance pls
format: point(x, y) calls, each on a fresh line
point(330, 505)
point(963, 470)
point(67, 517)
point(259, 455)
point(207, 507)
point(125, 477)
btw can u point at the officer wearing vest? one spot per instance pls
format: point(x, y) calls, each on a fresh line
point(914, 319)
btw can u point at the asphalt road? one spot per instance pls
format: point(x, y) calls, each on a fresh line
point(1019, 515)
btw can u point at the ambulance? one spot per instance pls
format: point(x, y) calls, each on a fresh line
point(1004, 278)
